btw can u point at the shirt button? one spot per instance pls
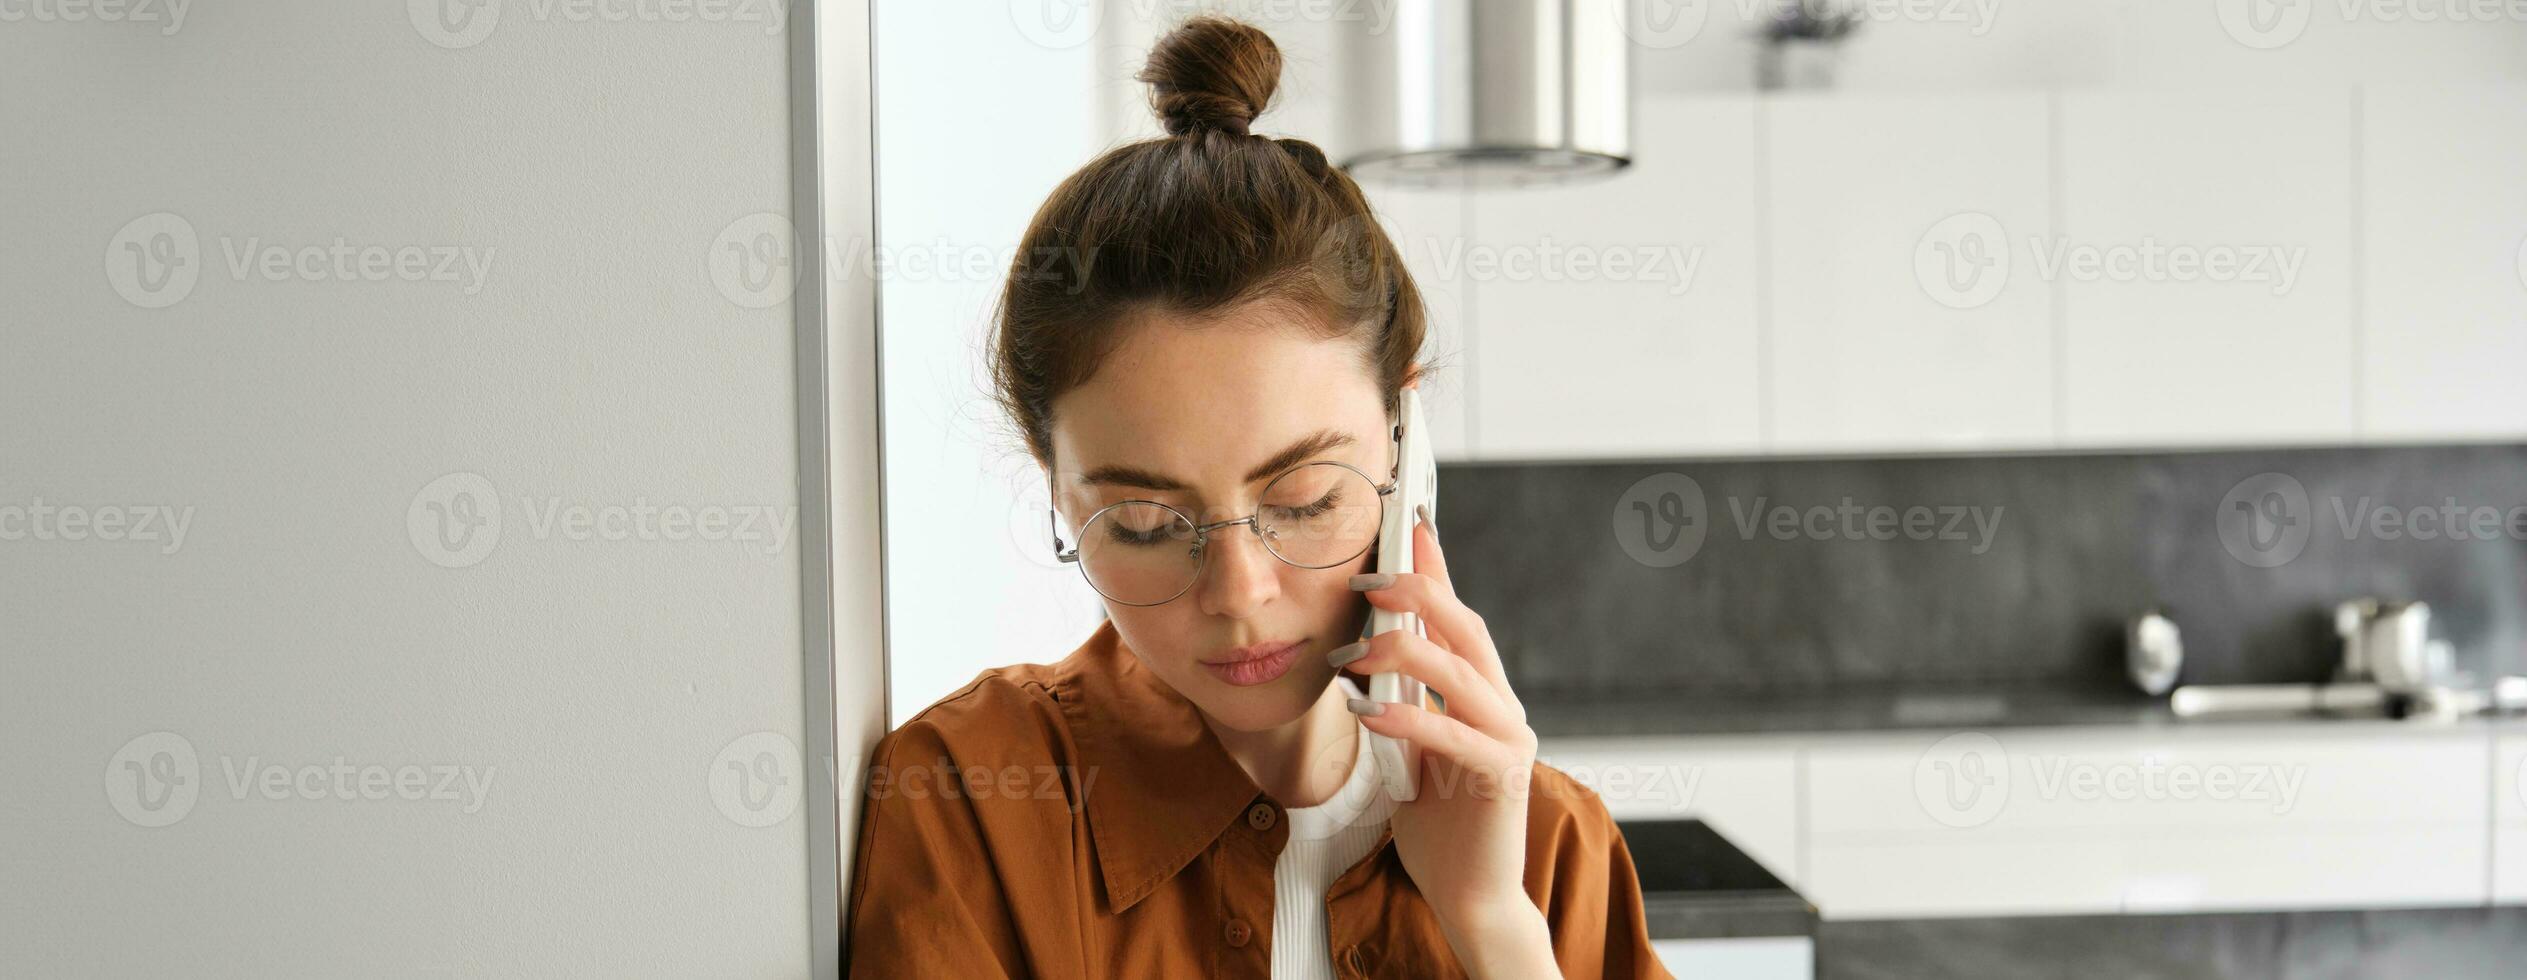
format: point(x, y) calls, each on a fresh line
point(1260, 816)
point(1238, 933)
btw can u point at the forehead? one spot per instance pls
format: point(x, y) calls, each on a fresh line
point(1202, 401)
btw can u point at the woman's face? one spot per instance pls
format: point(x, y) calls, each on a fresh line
point(1200, 416)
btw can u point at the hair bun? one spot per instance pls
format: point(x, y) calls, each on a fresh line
point(1212, 73)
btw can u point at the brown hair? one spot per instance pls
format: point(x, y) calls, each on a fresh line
point(1195, 224)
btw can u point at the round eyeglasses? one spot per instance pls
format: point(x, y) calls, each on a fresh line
point(1144, 553)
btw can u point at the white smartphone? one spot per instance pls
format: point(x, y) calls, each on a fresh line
point(1416, 490)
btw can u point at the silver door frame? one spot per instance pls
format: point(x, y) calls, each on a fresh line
point(833, 182)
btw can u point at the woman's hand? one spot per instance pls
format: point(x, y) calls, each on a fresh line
point(1463, 837)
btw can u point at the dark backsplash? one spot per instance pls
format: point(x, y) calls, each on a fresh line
point(2017, 572)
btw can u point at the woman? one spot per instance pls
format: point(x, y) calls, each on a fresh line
point(1203, 343)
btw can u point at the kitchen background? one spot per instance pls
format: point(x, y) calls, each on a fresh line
point(1814, 468)
point(1818, 470)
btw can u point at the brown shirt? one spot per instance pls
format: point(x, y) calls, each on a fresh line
point(1079, 819)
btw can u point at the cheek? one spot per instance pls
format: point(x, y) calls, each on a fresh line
point(1327, 592)
point(1169, 637)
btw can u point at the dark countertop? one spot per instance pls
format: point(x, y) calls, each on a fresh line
point(1697, 885)
point(1875, 710)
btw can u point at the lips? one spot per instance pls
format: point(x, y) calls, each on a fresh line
point(1256, 663)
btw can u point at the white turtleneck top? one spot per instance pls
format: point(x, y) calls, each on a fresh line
point(1325, 841)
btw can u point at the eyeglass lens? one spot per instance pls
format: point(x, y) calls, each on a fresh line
point(1316, 516)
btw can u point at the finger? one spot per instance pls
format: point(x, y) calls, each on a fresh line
point(1507, 765)
point(1469, 695)
point(1427, 558)
point(1449, 621)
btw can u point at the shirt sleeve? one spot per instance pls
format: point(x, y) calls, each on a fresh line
point(926, 900)
point(1592, 899)
point(1628, 950)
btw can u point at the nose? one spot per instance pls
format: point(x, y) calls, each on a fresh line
point(1238, 575)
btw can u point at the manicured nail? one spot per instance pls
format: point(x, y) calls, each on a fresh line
point(1423, 510)
point(1372, 581)
point(1360, 707)
point(1346, 654)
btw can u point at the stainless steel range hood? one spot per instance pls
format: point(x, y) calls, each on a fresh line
point(1498, 92)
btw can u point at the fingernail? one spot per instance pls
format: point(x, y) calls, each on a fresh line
point(1424, 511)
point(1348, 653)
point(1360, 707)
point(1372, 581)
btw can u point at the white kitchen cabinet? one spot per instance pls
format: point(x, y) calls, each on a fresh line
point(2382, 816)
point(2444, 311)
point(1909, 879)
point(1943, 271)
point(1617, 318)
point(1428, 228)
point(1747, 789)
point(1905, 825)
point(2204, 261)
point(2099, 821)
point(1902, 314)
point(1744, 958)
point(2509, 815)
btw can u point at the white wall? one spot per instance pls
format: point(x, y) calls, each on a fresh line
point(979, 115)
point(597, 686)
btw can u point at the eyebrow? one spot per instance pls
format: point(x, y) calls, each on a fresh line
point(1322, 440)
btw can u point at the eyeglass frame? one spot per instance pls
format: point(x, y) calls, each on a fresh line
point(1202, 532)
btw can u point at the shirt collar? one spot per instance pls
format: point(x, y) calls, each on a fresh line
point(1165, 787)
